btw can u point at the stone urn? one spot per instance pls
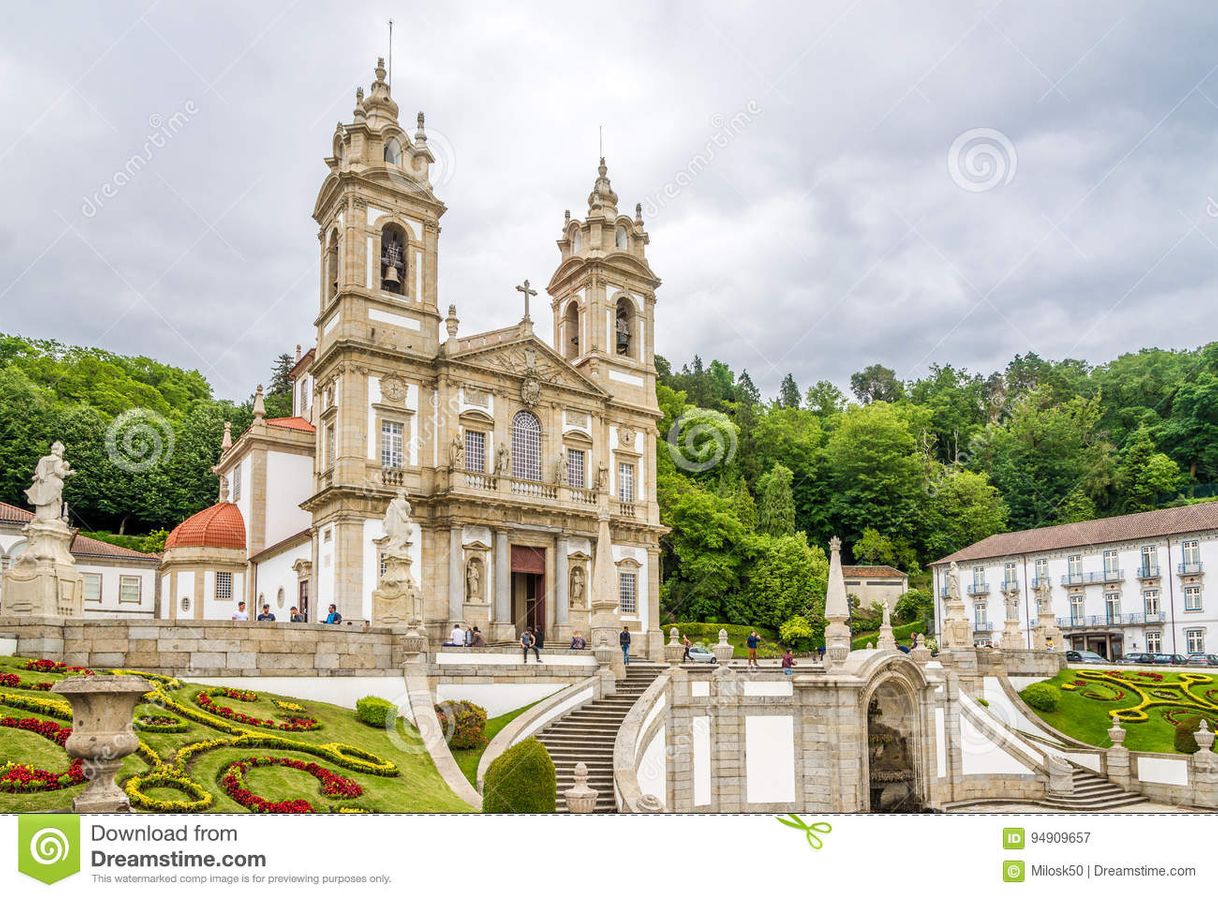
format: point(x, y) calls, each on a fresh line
point(674, 651)
point(581, 798)
point(102, 735)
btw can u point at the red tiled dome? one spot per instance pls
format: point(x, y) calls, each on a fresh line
point(218, 527)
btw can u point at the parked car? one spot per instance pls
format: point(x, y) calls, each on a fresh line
point(700, 654)
point(1202, 659)
point(1161, 658)
point(1136, 658)
point(1077, 656)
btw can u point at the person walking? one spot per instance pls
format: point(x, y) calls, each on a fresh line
point(623, 640)
point(752, 642)
point(688, 645)
point(788, 663)
point(529, 641)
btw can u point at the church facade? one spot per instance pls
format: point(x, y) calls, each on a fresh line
point(513, 451)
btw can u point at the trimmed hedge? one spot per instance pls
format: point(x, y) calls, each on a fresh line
point(1042, 697)
point(521, 781)
point(464, 723)
point(375, 711)
point(1185, 739)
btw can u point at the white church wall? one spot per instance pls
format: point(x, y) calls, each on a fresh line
point(374, 529)
point(769, 758)
point(276, 573)
point(639, 556)
point(325, 572)
point(110, 605)
point(981, 755)
point(167, 598)
point(289, 481)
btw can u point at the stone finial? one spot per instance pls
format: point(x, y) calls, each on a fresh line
point(1204, 737)
point(870, 645)
point(566, 217)
point(1116, 733)
point(259, 404)
point(638, 213)
point(297, 352)
point(452, 322)
point(674, 636)
point(226, 442)
point(723, 649)
point(420, 134)
point(380, 68)
point(650, 804)
point(581, 798)
point(223, 495)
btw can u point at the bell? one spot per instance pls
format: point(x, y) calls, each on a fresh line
point(391, 275)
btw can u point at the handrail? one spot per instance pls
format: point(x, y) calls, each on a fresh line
point(535, 718)
point(630, 742)
point(423, 713)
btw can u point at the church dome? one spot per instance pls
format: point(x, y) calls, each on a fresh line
point(218, 527)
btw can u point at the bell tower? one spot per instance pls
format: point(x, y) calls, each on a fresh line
point(379, 230)
point(603, 297)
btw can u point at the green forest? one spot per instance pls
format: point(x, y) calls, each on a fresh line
point(753, 487)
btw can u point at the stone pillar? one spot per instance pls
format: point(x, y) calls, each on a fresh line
point(502, 629)
point(723, 649)
point(1203, 769)
point(727, 743)
point(837, 609)
point(102, 735)
point(1061, 775)
point(456, 575)
point(562, 582)
point(674, 651)
point(1117, 757)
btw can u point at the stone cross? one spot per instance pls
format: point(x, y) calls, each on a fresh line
point(527, 291)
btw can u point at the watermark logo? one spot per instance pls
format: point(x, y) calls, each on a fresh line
point(138, 440)
point(702, 439)
point(1012, 871)
point(812, 831)
point(48, 846)
point(982, 159)
point(1012, 837)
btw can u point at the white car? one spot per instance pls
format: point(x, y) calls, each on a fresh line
point(700, 654)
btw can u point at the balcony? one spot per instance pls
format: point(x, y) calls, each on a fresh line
point(1148, 572)
point(978, 589)
point(1189, 567)
point(1010, 586)
point(1133, 619)
point(577, 498)
point(982, 628)
point(1113, 576)
point(1037, 581)
point(1079, 578)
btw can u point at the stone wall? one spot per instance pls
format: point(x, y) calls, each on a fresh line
point(211, 648)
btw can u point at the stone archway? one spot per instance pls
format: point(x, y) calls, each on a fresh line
point(894, 778)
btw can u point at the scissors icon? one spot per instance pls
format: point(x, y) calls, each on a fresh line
point(810, 830)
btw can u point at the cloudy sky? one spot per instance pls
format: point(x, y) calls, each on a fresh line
point(828, 184)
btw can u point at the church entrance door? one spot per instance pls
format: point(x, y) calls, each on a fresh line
point(528, 589)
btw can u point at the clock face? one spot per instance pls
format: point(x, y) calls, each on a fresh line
point(393, 388)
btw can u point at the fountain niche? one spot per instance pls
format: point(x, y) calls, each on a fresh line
point(891, 765)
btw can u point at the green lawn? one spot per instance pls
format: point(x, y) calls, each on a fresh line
point(708, 635)
point(901, 633)
point(1087, 719)
point(416, 788)
point(468, 759)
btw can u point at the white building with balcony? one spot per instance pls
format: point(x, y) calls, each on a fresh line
point(1134, 583)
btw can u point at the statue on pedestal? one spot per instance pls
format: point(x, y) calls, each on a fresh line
point(561, 470)
point(43, 580)
point(456, 453)
point(503, 461)
point(577, 586)
point(396, 599)
point(473, 580)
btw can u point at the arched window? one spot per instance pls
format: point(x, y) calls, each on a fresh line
point(620, 239)
point(393, 259)
point(625, 327)
point(393, 151)
point(332, 266)
point(570, 331)
point(526, 446)
point(576, 243)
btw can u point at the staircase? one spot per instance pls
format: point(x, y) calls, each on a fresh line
point(1093, 793)
point(587, 734)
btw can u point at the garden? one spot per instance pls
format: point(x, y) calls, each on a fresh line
point(217, 749)
point(1159, 710)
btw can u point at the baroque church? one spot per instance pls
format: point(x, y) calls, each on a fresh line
point(529, 465)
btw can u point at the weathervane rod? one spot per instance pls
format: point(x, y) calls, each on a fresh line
point(391, 52)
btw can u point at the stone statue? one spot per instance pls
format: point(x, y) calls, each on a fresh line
point(46, 493)
point(397, 522)
point(503, 460)
point(577, 586)
point(561, 470)
point(1043, 600)
point(456, 453)
point(1011, 600)
point(953, 581)
point(602, 476)
point(473, 580)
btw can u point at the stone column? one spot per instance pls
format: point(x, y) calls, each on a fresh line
point(562, 599)
point(502, 629)
point(1117, 757)
point(456, 575)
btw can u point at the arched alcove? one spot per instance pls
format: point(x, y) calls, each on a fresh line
point(570, 331)
point(393, 259)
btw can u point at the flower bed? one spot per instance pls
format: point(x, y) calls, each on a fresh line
point(233, 782)
point(44, 665)
point(18, 777)
point(205, 700)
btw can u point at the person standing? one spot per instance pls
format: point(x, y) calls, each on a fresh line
point(788, 663)
point(266, 614)
point(623, 640)
point(240, 614)
point(296, 617)
point(333, 617)
point(752, 642)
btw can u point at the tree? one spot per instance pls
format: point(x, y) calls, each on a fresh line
point(874, 548)
point(957, 404)
point(1145, 477)
point(825, 399)
point(1190, 436)
point(787, 577)
point(875, 383)
point(776, 516)
point(962, 508)
point(788, 392)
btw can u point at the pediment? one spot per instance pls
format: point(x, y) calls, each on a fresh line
point(529, 355)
